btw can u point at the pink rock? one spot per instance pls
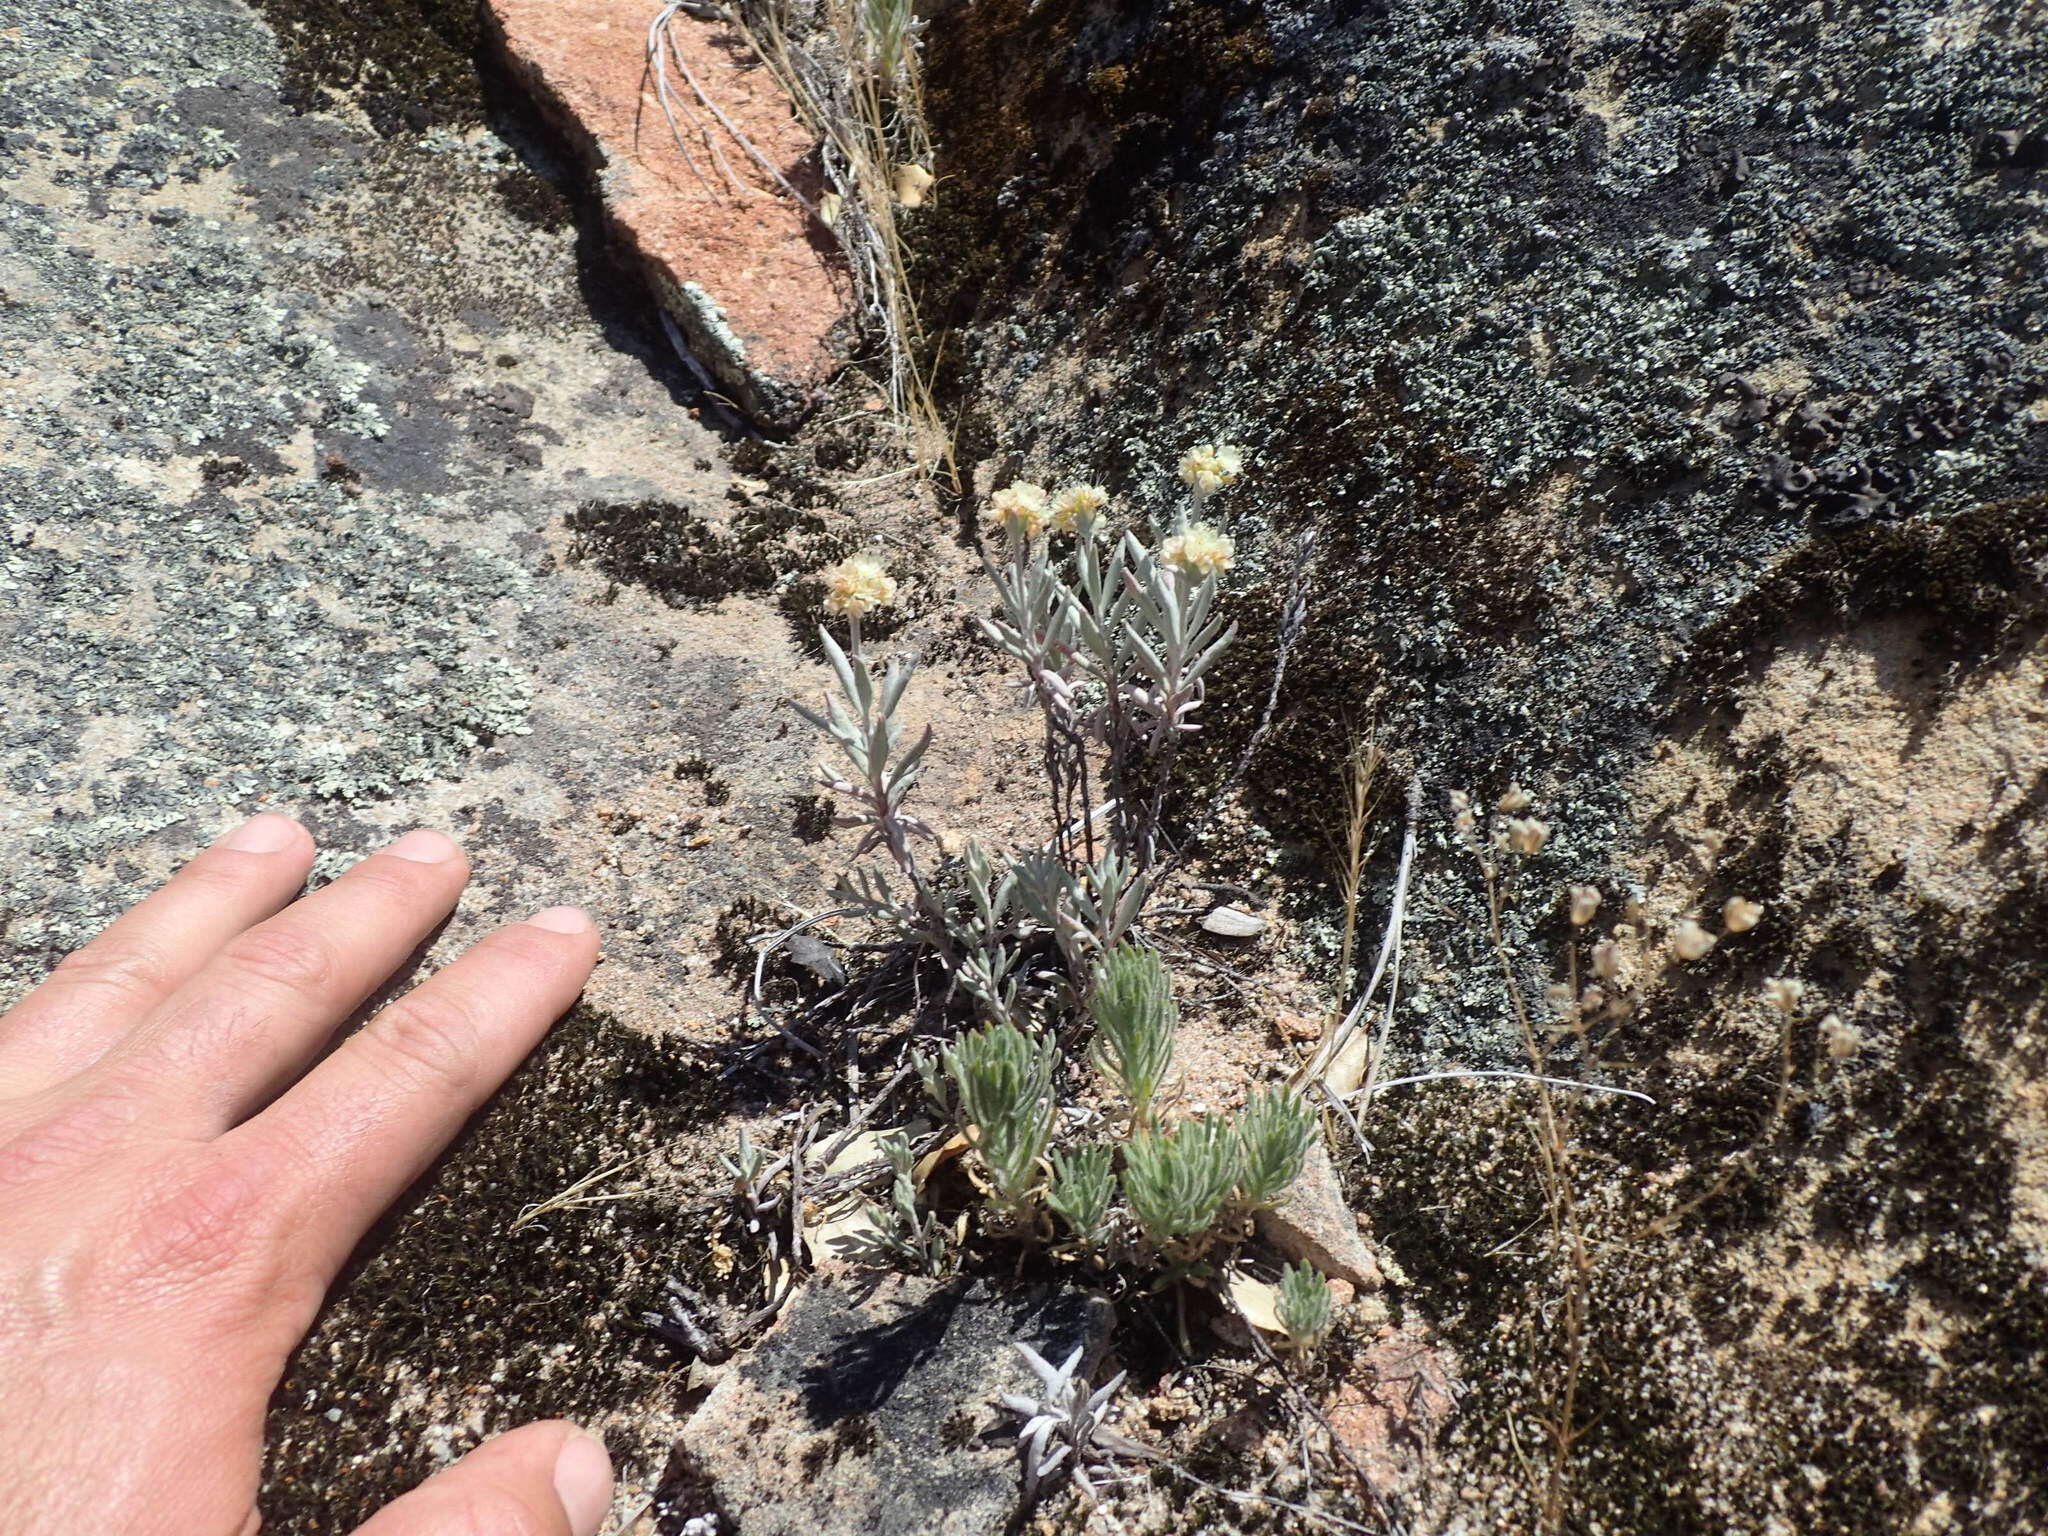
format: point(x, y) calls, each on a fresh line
point(1395, 1399)
point(745, 272)
point(1313, 1223)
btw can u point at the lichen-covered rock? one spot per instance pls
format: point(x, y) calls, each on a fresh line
point(1669, 391)
point(870, 1408)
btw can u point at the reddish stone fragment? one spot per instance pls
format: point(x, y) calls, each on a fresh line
point(739, 265)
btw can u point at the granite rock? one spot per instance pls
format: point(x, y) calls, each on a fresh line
point(870, 1407)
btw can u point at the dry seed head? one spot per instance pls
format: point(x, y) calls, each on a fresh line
point(1784, 993)
point(1201, 551)
point(1020, 508)
point(1689, 941)
point(1515, 801)
point(1077, 507)
point(1527, 835)
point(857, 586)
point(1607, 961)
point(1839, 1040)
point(1585, 902)
point(1208, 467)
point(1461, 813)
point(1739, 916)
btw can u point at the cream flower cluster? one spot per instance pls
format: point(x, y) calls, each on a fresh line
point(1021, 508)
point(1208, 467)
point(857, 586)
point(1077, 507)
point(1201, 551)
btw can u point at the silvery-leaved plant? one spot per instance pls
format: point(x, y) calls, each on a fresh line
point(988, 958)
point(1111, 899)
point(1116, 640)
point(1135, 1021)
point(1303, 1308)
point(1177, 1180)
point(1175, 635)
point(1274, 1132)
point(861, 720)
point(1066, 1423)
point(897, 1231)
point(1082, 1187)
point(1056, 899)
point(1002, 1082)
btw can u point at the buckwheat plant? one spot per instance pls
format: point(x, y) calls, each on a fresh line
point(1114, 641)
point(1135, 1020)
point(1002, 1078)
point(1176, 1181)
point(862, 722)
point(1274, 1133)
point(1114, 638)
point(1113, 644)
point(1083, 1184)
point(1304, 1306)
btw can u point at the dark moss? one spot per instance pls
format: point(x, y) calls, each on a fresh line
point(676, 553)
point(501, 1326)
point(534, 200)
point(408, 63)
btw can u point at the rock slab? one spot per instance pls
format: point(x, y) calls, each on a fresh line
point(747, 275)
point(1314, 1223)
point(871, 1407)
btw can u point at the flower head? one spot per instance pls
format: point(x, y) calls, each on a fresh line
point(857, 586)
point(1020, 507)
point(1201, 551)
point(1689, 941)
point(1075, 509)
point(1784, 993)
point(1208, 467)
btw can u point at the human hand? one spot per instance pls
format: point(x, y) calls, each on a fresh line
point(180, 1183)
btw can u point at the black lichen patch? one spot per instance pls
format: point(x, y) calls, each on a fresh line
point(408, 63)
point(1984, 572)
point(676, 553)
point(496, 1326)
point(1135, 97)
point(534, 200)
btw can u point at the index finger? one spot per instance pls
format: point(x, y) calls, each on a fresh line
point(96, 996)
point(366, 1122)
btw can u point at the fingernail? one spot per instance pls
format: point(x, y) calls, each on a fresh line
point(423, 847)
point(266, 832)
point(583, 1482)
point(562, 920)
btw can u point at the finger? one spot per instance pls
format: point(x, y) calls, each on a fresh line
point(549, 1479)
point(233, 1036)
point(368, 1120)
point(97, 995)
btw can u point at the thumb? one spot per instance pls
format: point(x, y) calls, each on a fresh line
point(549, 1479)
